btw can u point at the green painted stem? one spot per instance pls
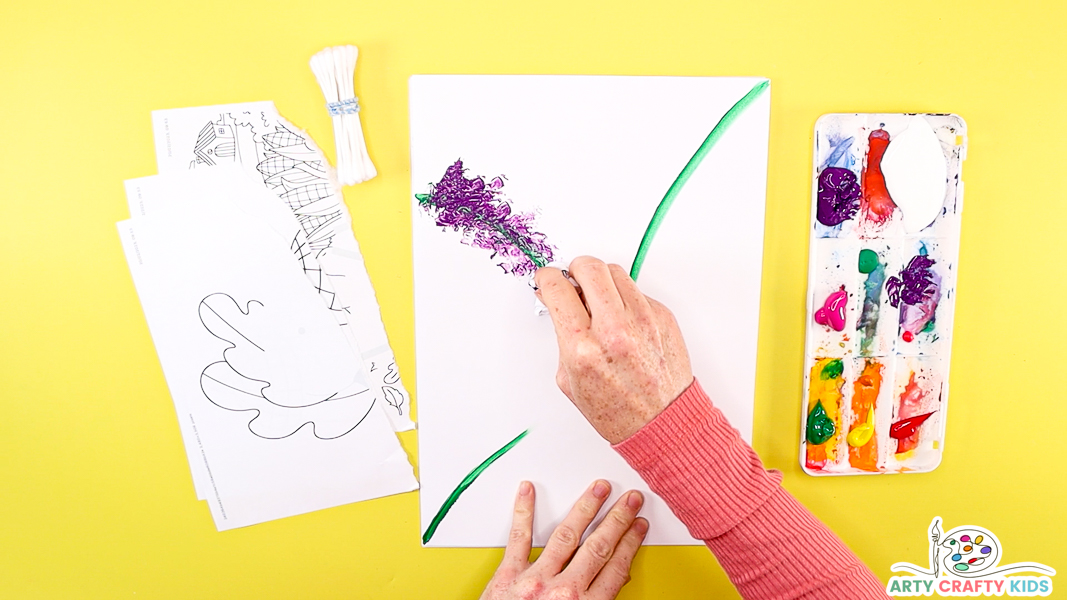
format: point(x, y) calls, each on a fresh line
point(466, 483)
point(690, 167)
point(535, 258)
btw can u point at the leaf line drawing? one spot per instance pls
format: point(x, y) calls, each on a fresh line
point(392, 396)
point(261, 374)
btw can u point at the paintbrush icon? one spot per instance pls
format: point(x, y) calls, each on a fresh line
point(935, 535)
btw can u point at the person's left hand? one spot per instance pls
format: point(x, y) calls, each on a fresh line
point(594, 570)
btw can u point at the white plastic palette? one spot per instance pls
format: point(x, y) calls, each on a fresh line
point(887, 196)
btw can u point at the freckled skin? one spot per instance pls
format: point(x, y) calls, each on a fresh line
point(622, 361)
point(567, 569)
point(622, 357)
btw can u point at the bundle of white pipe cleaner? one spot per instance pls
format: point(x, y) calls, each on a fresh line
point(335, 69)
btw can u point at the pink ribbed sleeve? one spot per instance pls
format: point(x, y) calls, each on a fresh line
point(768, 543)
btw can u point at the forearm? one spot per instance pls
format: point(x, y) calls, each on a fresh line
point(768, 543)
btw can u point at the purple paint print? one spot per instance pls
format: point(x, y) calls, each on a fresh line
point(914, 284)
point(838, 197)
point(482, 213)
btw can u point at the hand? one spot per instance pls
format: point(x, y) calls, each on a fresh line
point(621, 355)
point(595, 570)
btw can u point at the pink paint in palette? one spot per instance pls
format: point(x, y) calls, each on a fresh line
point(887, 196)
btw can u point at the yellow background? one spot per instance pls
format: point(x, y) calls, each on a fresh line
point(96, 499)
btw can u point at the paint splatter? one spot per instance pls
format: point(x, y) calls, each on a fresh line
point(687, 171)
point(910, 405)
point(872, 299)
point(918, 287)
point(863, 446)
point(838, 196)
point(825, 396)
point(482, 213)
point(466, 483)
point(877, 206)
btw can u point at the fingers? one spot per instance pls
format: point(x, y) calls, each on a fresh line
point(601, 545)
point(569, 315)
point(632, 298)
point(598, 287)
point(616, 572)
point(517, 553)
point(564, 540)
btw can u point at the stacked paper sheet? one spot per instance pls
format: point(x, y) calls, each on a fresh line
point(264, 318)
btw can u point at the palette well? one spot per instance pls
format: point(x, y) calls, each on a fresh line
point(887, 197)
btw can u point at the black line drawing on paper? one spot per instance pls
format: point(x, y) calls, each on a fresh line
point(393, 397)
point(288, 164)
point(252, 376)
point(314, 272)
point(292, 170)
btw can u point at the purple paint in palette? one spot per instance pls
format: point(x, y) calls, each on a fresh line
point(915, 283)
point(838, 196)
point(482, 213)
point(917, 292)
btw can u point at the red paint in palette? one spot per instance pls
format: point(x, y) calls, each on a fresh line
point(877, 205)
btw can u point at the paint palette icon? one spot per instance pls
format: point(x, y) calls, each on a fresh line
point(970, 551)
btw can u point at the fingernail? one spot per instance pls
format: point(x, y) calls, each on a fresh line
point(601, 489)
point(635, 500)
point(525, 488)
point(641, 526)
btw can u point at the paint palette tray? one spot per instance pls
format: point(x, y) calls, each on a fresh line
point(887, 196)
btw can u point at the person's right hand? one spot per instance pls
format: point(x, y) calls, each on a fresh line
point(621, 355)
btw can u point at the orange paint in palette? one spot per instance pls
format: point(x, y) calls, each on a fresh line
point(862, 443)
point(887, 197)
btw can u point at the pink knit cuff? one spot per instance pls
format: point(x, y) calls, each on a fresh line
point(691, 456)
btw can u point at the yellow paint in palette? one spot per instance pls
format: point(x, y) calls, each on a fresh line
point(823, 430)
point(863, 445)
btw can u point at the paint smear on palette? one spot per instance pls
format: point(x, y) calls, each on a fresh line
point(840, 156)
point(825, 396)
point(867, 325)
point(910, 417)
point(918, 287)
point(863, 444)
point(483, 214)
point(877, 206)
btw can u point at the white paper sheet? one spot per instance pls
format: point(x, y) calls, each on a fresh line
point(595, 155)
point(288, 163)
point(276, 410)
